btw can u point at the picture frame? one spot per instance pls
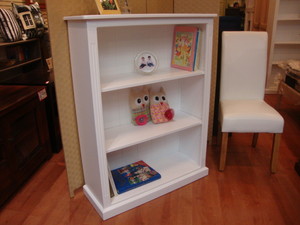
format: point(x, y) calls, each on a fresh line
point(146, 62)
point(27, 20)
point(108, 6)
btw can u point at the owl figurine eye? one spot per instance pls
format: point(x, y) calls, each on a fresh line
point(146, 98)
point(138, 102)
point(156, 98)
point(163, 98)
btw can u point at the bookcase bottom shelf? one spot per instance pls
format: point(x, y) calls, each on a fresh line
point(176, 171)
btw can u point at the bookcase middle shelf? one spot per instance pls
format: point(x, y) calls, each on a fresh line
point(120, 137)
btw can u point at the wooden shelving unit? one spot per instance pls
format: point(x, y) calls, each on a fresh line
point(19, 54)
point(102, 49)
point(284, 38)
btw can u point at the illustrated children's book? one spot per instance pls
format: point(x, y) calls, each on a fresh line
point(184, 47)
point(133, 175)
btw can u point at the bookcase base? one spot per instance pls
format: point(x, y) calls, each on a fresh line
point(120, 207)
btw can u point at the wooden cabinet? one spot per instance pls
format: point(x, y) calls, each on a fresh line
point(24, 139)
point(103, 49)
point(284, 38)
point(23, 63)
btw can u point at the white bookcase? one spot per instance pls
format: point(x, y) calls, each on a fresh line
point(284, 37)
point(102, 49)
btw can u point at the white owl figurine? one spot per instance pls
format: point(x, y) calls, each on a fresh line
point(159, 107)
point(139, 105)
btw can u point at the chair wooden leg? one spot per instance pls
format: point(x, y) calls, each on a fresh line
point(223, 151)
point(254, 140)
point(219, 134)
point(274, 159)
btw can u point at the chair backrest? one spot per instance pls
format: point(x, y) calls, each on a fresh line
point(244, 65)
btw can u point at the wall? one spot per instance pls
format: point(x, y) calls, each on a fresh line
point(151, 6)
point(6, 4)
point(57, 9)
point(156, 6)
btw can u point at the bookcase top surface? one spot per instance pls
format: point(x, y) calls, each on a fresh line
point(138, 16)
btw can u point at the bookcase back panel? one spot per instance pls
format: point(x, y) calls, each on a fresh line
point(181, 144)
point(290, 27)
point(184, 95)
point(286, 52)
point(192, 92)
point(118, 47)
point(289, 8)
point(116, 110)
point(189, 139)
point(146, 151)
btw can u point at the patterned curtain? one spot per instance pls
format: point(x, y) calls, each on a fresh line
point(260, 18)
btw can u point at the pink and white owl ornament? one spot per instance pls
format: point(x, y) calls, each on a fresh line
point(159, 107)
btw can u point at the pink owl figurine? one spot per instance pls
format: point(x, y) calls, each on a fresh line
point(159, 107)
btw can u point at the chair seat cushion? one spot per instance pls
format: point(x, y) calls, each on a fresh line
point(253, 116)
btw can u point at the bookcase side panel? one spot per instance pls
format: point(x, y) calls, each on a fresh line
point(84, 104)
point(206, 88)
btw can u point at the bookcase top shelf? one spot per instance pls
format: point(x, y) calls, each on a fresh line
point(110, 83)
point(138, 16)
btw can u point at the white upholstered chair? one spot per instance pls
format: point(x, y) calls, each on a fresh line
point(242, 105)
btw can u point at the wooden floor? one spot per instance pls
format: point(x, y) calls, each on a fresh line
point(245, 193)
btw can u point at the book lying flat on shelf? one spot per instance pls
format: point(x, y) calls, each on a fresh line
point(133, 175)
point(185, 45)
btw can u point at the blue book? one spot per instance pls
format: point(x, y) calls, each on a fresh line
point(133, 175)
point(197, 51)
